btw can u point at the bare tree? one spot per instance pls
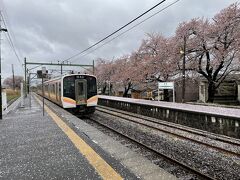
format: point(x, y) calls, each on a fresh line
point(9, 81)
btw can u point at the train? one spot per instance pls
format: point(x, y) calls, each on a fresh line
point(74, 92)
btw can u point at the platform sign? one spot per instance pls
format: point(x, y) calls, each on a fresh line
point(22, 95)
point(166, 85)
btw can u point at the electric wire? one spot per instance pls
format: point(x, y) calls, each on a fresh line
point(129, 29)
point(4, 12)
point(115, 31)
point(10, 40)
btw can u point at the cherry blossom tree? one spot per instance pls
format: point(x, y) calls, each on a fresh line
point(212, 51)
point(104, 71)
point(213, 46)
point(157, 58)
point(125, 74)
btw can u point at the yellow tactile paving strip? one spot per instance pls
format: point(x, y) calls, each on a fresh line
point(101, 166)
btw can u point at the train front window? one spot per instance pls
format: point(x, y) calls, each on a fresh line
point(69, 87)
point(80, 88)
point(92, 88)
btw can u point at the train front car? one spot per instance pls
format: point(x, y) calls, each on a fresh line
point(79, 93)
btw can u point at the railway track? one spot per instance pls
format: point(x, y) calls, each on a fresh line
point(193, 173)
point(229, 146)
point(152, 123)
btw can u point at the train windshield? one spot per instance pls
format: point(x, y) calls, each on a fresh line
point(69, 87)
point(92, 85)
point(80, 87)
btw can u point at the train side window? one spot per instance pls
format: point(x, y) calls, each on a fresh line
point(59, 88)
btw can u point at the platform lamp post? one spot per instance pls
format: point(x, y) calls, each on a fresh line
point(4, 30)
point(183, 52)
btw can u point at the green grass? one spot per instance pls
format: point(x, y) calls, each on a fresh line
point(11, 94)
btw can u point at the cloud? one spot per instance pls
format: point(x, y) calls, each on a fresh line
point(55, 30)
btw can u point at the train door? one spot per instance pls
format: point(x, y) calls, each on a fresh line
point(56, 91)
point(81, 91)
point(59, 92)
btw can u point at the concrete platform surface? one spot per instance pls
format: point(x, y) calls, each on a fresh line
point(110, 148)
point(34, 147)
point(62, 146)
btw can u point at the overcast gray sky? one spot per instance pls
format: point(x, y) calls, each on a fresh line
point(52, 30)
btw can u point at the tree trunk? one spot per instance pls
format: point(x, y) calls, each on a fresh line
point(111, 86)
point(211, 92)
point(125, 92)
point(104, 88)
point(127, 89)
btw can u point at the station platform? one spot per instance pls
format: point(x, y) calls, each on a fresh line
point(59, 145)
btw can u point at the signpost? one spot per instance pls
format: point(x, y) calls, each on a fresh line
point(166, 85)
point(42, 74)
point(22, 95)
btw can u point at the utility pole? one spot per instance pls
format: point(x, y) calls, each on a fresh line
point(183, 70)
point(25, 77)
point(29, 84)
point(13, 77)
point(93, 68)
point(5, 30)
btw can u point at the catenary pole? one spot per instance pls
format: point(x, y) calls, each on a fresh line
point(0, 71)
point(13, 77)
point(183, 69)
point(1, 29)
point(25, 77)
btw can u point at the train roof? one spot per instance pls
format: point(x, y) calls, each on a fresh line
point(67, 75)
point(78, 75)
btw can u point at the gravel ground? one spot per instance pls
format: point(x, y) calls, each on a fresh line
point(208, 161)
point(176, 170)
point(206, 137)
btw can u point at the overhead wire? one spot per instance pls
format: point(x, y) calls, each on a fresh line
point(8, 23)
point(115, 31)
point(129, 29)
point(10, 40)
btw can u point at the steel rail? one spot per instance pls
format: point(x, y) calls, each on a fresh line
point(224, 139)
point(172, 133)
point(191, 169)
